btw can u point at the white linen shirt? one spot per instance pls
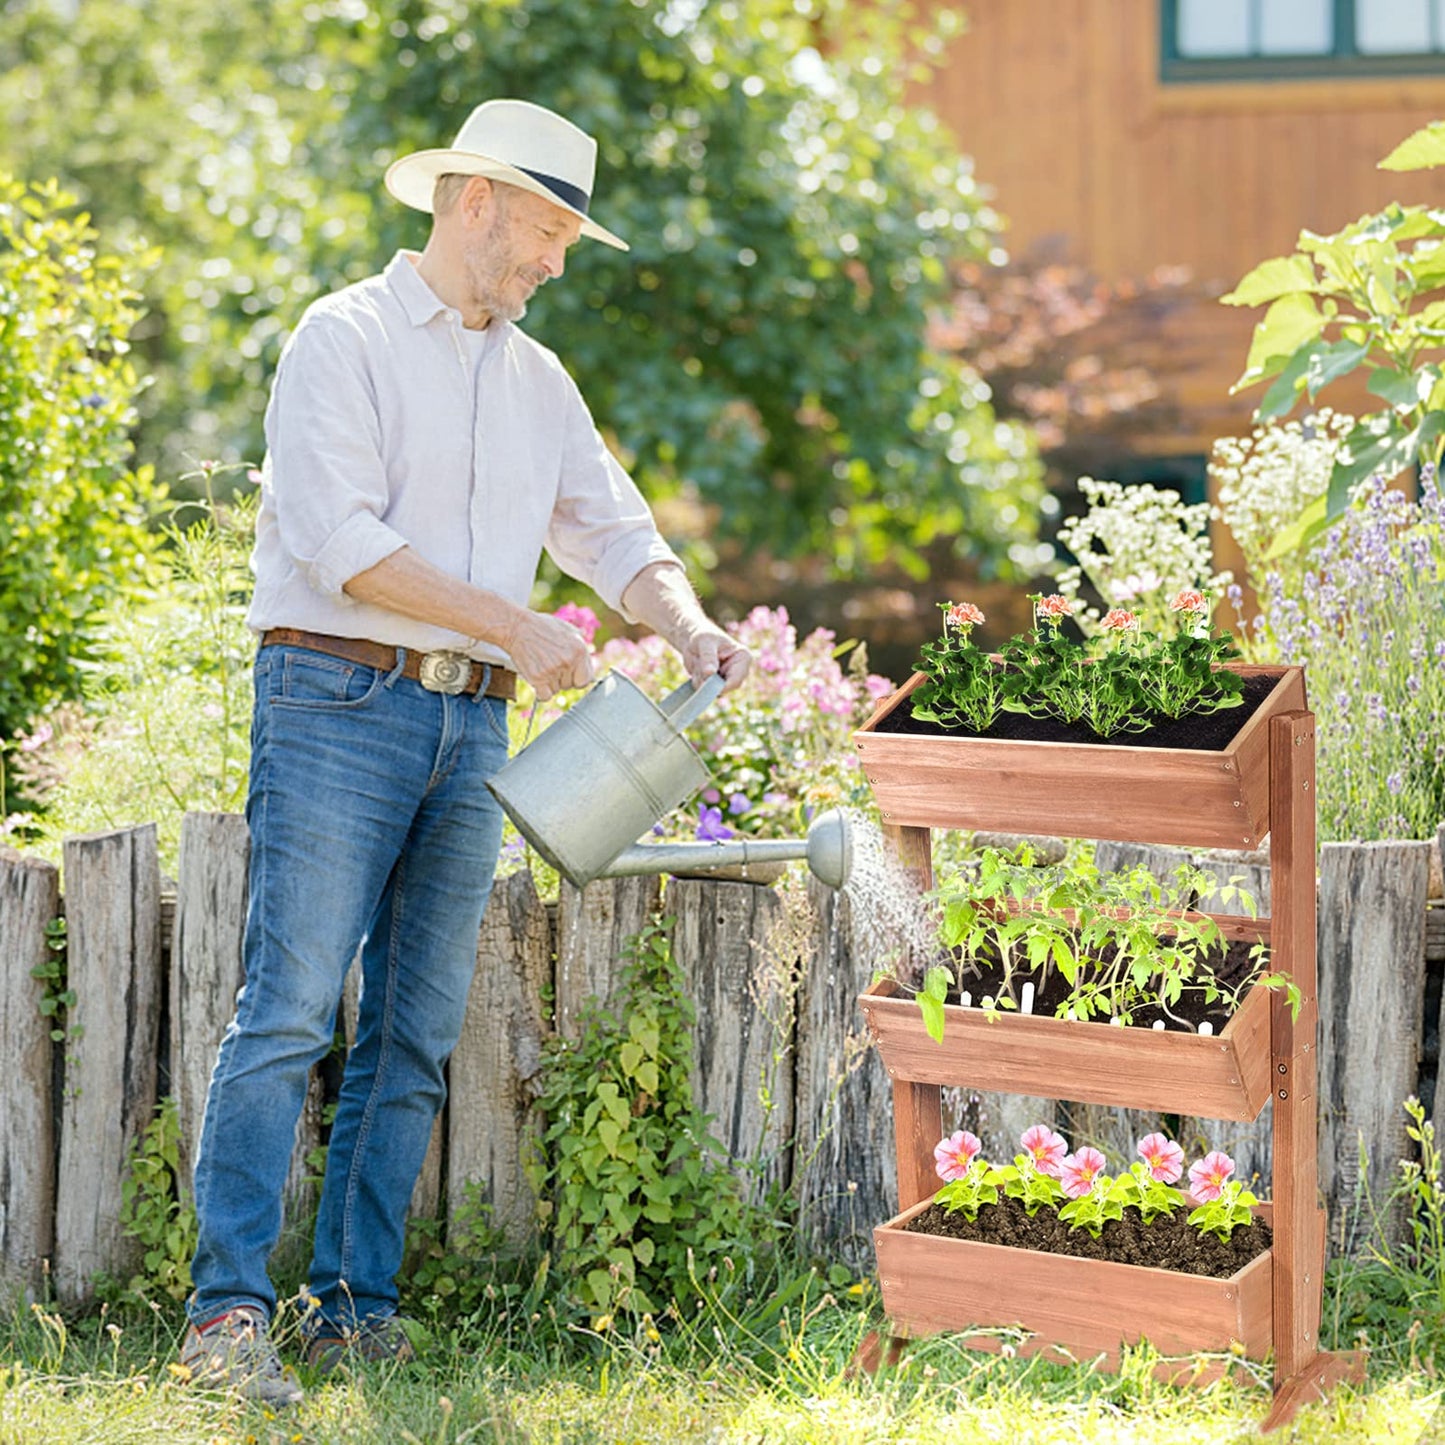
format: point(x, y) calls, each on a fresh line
point(384, 430)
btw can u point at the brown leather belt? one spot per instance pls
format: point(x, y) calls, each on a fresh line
point(448, 672)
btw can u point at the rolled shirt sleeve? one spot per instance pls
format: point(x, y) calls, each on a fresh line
point(323, 435)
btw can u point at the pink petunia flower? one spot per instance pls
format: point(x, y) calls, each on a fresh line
point(952, 1156)
point(1164, 1158)
point(584, 619)
point(962, 615)
point(1208, 1177)
point(1054, 608)
point(1079, 1171)
point(1046, 1150)
point(1189, 600)
point(1120, 619)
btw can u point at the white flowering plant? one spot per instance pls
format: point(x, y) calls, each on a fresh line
point(1137, 547)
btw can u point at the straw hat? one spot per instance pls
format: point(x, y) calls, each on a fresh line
point(517, 142)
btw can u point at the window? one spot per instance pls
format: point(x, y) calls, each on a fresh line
point(1278, 39)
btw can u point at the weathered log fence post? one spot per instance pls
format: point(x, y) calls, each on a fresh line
point(113, 955)
point(29, 900)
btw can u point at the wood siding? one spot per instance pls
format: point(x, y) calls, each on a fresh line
point(1059, 102)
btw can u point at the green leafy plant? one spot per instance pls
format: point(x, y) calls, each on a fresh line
point(153, 1213)
point(73, 514)
point(636, 1196)
point(1120, 941)
point(165, 725)
point(1123, 681)
point(1367, 297)
point(452, 1263)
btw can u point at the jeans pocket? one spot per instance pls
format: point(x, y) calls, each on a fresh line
point(497, 719)
point(315, 682)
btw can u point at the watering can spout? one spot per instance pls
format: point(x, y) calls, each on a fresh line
point(828, 849)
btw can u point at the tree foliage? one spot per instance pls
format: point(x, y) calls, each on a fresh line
point(73, 513)
point(762, 348)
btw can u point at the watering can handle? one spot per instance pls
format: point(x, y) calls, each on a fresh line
point(684, 705)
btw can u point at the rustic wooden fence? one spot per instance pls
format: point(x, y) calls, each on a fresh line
point(774, 973)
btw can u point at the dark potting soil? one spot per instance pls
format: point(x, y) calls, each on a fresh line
point(1231, 966)
point(1167, 1243)
point(1203, 732)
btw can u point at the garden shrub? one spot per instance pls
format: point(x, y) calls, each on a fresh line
point(73, 513)
point(164, 725)
point(637, 1199)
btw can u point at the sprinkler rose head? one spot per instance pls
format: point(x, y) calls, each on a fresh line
point(830, 847)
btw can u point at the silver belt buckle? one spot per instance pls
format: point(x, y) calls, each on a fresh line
point(447, 672)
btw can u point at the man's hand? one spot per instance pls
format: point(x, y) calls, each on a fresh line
point(551, 654)
point(661, 597)
point(710, 650)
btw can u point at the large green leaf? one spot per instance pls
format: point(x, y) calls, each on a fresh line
point(1402, 389)
point(1311, 524)
point(1272, 279)
point(1426, 265)
point(1331, 361)
point(1420, 151)
point(1291, 322)
point(1385, 445)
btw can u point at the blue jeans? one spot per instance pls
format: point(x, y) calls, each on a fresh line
point(371, 826)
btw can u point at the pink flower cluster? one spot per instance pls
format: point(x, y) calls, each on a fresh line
point(1046, 1152)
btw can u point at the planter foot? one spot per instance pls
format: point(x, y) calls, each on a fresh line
point(876, 1352)
point(1326, 1370)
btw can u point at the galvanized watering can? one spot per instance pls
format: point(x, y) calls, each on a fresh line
point(614, 764)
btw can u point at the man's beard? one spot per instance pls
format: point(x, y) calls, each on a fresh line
point(490, 265)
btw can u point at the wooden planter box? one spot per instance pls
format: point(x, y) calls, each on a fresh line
point(1223, 1077)
point(931, 1283)
point(1147, 795)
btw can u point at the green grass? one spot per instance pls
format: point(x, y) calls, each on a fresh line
point(737, 1368)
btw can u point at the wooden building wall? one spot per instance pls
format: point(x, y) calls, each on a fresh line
point(1061, 106)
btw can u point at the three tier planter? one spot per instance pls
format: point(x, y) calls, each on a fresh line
point(1261, 784)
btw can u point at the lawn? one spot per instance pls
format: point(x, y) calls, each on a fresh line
point(735, 1368)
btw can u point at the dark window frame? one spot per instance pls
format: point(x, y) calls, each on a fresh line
point(1344, 62)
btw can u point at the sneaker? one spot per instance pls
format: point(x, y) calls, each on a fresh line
point(234, 1352)
point(379, 1340)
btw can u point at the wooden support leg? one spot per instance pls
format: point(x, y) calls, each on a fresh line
point(1302, 1371)
point(877, 1351)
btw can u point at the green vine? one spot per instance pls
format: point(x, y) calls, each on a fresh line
point(637, 1198)
point(152, 1212)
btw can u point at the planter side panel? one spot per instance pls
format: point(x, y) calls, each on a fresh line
point(1219, 1078)
point(931, 1284)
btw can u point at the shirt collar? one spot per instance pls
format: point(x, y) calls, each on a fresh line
point(418, 300)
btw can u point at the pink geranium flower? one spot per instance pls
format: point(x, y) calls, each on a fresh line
point(1046, 1150)
point(1164, 1158)
point(962, 615)
point(1189, 600)
point(1208, 1177)
point(952, 1156)
point(1079, 1171)
point(1120, 619)
point(1054, 608)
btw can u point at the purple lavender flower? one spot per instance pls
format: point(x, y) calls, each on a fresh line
point(1395, 783)
point(710, 826)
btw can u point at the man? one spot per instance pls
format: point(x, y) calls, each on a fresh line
point(421, 452)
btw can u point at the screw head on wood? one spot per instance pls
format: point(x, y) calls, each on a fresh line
point(1284, 1093)
point(1284, 1068)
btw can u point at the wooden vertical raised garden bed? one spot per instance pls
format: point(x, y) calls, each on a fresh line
point(1263, 783)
